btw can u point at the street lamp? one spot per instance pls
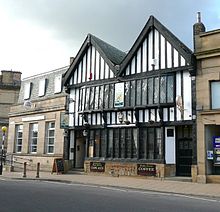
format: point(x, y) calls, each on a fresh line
point(4, 129)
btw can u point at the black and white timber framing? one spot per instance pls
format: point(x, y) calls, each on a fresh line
point(150, 87)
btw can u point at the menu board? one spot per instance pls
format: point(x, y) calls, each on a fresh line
point(146, 169)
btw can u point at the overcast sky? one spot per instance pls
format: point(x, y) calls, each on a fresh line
point(41, 35)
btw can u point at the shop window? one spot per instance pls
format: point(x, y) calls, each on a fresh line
point(50, 137)
point(19, 138)
point(33, 137)
point(215, 95)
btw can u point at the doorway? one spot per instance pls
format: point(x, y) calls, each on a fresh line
point(184, 151)
point(79, 150)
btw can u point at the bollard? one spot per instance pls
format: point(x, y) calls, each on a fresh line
point(38, 170)
point(25, 169)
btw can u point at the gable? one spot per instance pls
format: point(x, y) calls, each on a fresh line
point(156, 48)
point(91, 67)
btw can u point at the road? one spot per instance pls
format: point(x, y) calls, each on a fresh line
point(34, 196)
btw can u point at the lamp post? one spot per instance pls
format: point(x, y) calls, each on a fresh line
point(4, 129)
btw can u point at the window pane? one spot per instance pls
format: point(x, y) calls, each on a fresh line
point(127, 94)
point(106, 96)
point(143, 143)
point(110, 143)
point(111, 95)
point(163, 90)
point(134, 143)
point(138, 92)
point(158, 151)
point(50, 149)
point(96, 97)
point(133, 89)
point(150, 143)
point(156, 90)
point(91, 104)
point(87, 98)
point(144, 92)
point(122, 143)
point(150, 91)
point(215, 94)
point(170, 89)
point(97, 143)
point(116, 143)
point(101, 97)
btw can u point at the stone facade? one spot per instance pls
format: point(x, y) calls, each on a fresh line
point(10, 82)
point(207, 51)
point(44, 110)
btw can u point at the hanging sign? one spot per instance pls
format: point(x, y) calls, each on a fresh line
point(119, 95)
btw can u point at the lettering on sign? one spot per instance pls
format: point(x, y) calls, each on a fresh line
point(146, 169)
point(97, 167)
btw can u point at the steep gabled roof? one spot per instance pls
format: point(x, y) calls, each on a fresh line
point(170, 37)
point(110, 54)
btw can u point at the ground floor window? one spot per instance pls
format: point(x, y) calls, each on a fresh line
point(33, 137)
point(150, 143)
point(19, 135)
point(50, 137)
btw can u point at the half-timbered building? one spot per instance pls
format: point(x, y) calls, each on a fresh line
point(133, 114)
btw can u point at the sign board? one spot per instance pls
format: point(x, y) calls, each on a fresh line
point(58, 166)
point(119, 95)
point(210, 154)
point(97, 167)
point(216, 150)
point(64, 120)
point(146, 169)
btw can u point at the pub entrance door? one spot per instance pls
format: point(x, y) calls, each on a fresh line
point(184, 151)
point(79, 150)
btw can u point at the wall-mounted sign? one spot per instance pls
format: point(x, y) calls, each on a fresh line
point(210, 154)
point(216, 150)
point(119, 95)
point(97, 167)
point(146, 169)
point(64, 120)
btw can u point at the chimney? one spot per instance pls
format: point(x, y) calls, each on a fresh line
point(198, 28)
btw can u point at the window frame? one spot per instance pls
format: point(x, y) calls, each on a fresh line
point(32, 138)
point(17, 130)
point(48, 137)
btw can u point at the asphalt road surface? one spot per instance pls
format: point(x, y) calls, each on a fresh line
point(31, 196)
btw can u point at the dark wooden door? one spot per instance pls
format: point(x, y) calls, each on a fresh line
point(184, 157)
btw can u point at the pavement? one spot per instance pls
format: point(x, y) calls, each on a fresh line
point(171, 185)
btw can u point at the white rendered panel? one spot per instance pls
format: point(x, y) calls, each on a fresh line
point(150, 50)
point(158, 115)
point(169, 55)
point(170, 146)
point(153, 115)
point(129, 116)
point(163, 52)
point(106, 71)
point(72, 108)
point(102, 68)
point(144, 56)
point(165, 114)
point(108, 118)
point(127, 70)
point(90, 119)
point(146, 114)
point(92, 75)
point(182, 61)
point(133, 66)
point(97, 66)
point(141, 115)
point(80, 120)
point(84, 69)
point(98, 122)
point(187, 97)
point(79, 72)
point(111, 73)
point(93, 119)
point(156, 49)
point(75, 77)
point(71, 80)
point(171, 114)
point(139, 61)
point(176, 58)
point(178, 93)
point(77, 106)
point(113, 118)
point(88, 64)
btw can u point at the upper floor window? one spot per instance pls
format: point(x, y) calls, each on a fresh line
point(18, 137)
point(33, 137)
point(42, 87)
point(58, 84)
point(27, 90)
point(215, 94)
